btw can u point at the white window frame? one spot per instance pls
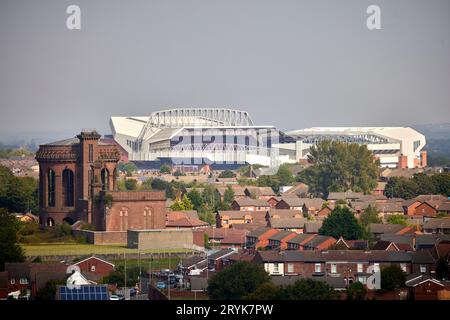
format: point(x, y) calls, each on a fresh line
point(317, 268)
point(93, 268)
point(334, 268)
point(290, 267)
point(423, 268)
point(276, 268)
point(360, 268)
point(23, 281)
point(403, 266)
point(12, 281)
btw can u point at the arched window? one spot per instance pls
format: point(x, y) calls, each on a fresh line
point(50, 222)
point(123, 212)
point(105, 179)
point(147, 212)
point(51, 188)
point(114, 178)
point(68, 188)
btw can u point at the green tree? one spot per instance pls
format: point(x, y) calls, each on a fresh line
point(130, 184)
point(48, 292)
point(196, 199)
point(147, 184)
point(129, 168)
point(165, 169)
point(159, 184)
point(227, 174)
point(228, 196)
point(178, 173)
point(18, 194)
point(236, 281)
point(396, 219)
point(23, 195)
point(356, 291)
point(269, 181)
point(183, 204)
point(285, 176)
point(425, 183)
point(370, 215)
point(338, 167)
point(266, 291)
point(401, 187)
point(206, 242)
point(6, 177)
point(207, 216)
point(341, 223)
point(211, 197)
point(10, 250)
point(118, 276)
point(392, 277)
point(309, 289)
point(442, 183)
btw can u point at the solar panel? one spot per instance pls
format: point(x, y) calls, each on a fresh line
point(85, 292)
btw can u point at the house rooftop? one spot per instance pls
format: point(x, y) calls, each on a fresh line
point(258, 232)
point(281, 235)
point(289, 223)
point(248, 202)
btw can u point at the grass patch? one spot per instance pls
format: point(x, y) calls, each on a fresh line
point(146, 264)
point(74, 249)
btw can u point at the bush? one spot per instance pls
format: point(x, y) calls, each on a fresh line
point(392, 277)
point(237, 281)
point(165, 169)
point(62, 230)
point(178, 173)
point(356, 291)
point(227, 174)
point(130, 184)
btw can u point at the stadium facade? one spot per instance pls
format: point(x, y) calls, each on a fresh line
point(395, 147)
point(196, 136)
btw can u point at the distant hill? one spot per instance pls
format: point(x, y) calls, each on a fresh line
point(438, 143)
point(434, 131)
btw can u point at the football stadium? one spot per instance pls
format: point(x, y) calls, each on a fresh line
point(196, 136)
point(395, 147)
point(228, 138)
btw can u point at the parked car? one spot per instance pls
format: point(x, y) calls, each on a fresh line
point(161, 285)
point(116, 297)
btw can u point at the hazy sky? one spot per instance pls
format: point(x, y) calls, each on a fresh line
point(293, 64)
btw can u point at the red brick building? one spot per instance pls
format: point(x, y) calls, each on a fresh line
point(77, 181)
point(95, 265)
point(30, 277)
point(71, 172)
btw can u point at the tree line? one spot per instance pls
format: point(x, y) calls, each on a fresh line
point(18, 194)
point(407, 188)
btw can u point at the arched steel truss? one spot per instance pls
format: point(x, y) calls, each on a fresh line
point(192, 117)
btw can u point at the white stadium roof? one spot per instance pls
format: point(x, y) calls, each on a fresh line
point(393, 133)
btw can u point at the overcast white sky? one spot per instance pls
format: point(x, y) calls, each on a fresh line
point(293, 64)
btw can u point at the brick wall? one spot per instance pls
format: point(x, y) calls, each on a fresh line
point(425, 210)
point(103, 237)
point(164, 239)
